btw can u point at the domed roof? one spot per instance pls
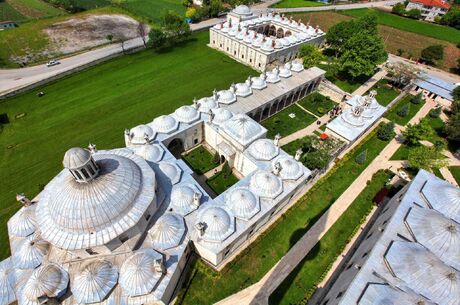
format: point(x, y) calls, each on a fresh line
point(259, 82)
point(7, 293)
point(278, 44)
point(302, 36)
point(219, 223)
point(94, 282)
point(249, 37)
point(265, 184)
point(151, 152)
point(23, 223)
point(48, 280)
point(76, 157)
point(138, 133)
point(264, 150)
point(206, 103)
point(243, 89)
point(182, 198)
point(284, 42)
point(257, 42)
point(384, 294)
point(267, 46)
point(187, 114)
point(226, 97)
point(73, 215)
point(165, 124)
point(292, 39)
point(167, 232)
point(353, 117)
point(30, 253)
point(242, 203)
point(297, 66)
point(138, 275)
point(243, 129)
point(443, 197)
point(172, 172)
point(221, 115)
point(290, 168)
point(242, 10)
point(285, 72)
point(273, 76)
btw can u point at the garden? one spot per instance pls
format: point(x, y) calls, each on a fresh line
point(317, 104)
point(342, 80)
point(385, 92)
point(287, 121)
point(405, 109)
point(201, 160)
point(222, 180)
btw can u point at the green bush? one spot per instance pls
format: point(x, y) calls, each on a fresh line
point(436, 112)
point(417, 99)
point(432, 54)
point(403, 111)
point(361, 158)
point(320, 110)
point(386, 131)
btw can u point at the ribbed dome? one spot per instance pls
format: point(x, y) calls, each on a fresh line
point(243, 89)
point(165, 124)
point(259, 82)
point(273, 76)
point(48, 280)
point(302, 36)
point(353, 117)
point(206, 103)
point(221, 115)
point(249, 37)
point(284, 42)
point(226, 97)
point(443, 197)
point(172, 172)
point(95, 281)
point(76, 157)
point(187, 114)
point(242, 10)
point(219, 223)
point(30, 253)
point(23, 223)
point(267, 46)
point(278, 44)
point(384, 294)
point(297, 66)
point(285, 72)
point(290, 168)
point(139, 132)
point(292, 39)
point(182, 199)
point(257, 42)
point(167, 231)
point(242, 203)
point(138, 275)
point(266, 184)
point(74, 215)
point(7, 294)
point(243, 129)
point(151, 152)
point(264, 150)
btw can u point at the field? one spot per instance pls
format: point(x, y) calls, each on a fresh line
point(96, 106)
point(283, 124)
point(297, 3)
point(455, 171)
point(153, 10)
point(385, 93)
point(7, 12)
point(23, 10)
point(392, 114)
point(317, 104)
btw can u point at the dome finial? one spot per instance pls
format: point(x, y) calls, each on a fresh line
point(298, 154)
point(277, 139)
point(23, 199)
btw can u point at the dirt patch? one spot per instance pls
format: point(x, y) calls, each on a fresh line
point(24, 10)
point(325, 20)
point(77, 34)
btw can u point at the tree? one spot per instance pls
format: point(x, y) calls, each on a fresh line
point(361, 158)
point(157, 39)
point(191, 13)
point(402, 74)
point(403, 111)
point(432, 54)
point(436, 112)
point(216, 158)
point(386, 131)
point(400, 51)
point(215, 7)
point(417, 99)
point(452, 18)
point(175, 26)
point(423, 157)
point(399, 9)
point(311, 55)
point(316, 160)
point(226, 170)
point(456, 93)
point(187, 3)
point(413, 134)
point(452, 128)
point(414, 13)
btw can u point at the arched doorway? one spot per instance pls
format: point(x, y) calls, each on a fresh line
point(222, 159)
point(280, 33)
point(272, 31)
point(176, 147)
point(266, 30)
point(287, 34)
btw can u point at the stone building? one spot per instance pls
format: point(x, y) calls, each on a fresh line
point(262, 41)
point(430, 9)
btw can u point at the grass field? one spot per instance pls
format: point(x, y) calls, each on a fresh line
point(256, 260)
point(96, 106)
point(385, 93)
point(317, 104)
point(284, 125)
point(455, 171)
point(344, 82)
point(392, 114)
point(402, 153)
point(24, 10)
point(153, 10)
point(7, 12)
point(219, 183)
point(410, 25)
point(200, 160)
point(297, 3)
point(301, 283)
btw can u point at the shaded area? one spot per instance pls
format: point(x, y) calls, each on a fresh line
point(200, 160)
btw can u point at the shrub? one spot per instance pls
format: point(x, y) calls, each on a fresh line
point(403, 111)
point(386, 131)
point(399, 9)
point(417, 99)
point(432, 54)
point(361, 157)
point(320, 110)
point(436, 112)
point(414, 13)
point(226, 170)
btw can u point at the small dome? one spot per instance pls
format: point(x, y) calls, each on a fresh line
point(242, 203)
point(243, 89)
point(7, 278)
point(182, 198)
point(285, 72)
point(290, 168)
point(292, 39)
point(278, 44)
point(167, 231)
point(219, 223)
point(257, 42)
point(284, 42)
point(221, 115)
point(266, 184)
point(353, 116)
point(76, 158)
point(264, 150)
point(443, 197)
point(243, 129)
point(165, 124)
point(138, 275)
point(242, 10)
point(23, 223)
point(267, 46)
point(241, 34)
point(30, 253)
point(138, 133)
point(226, 97)
point(232, 31)
point(249, 37)
point(48, 280)
point(297, 66)
point(273, 76)
point(94, 282)
point(187, 114)
point(171, 171)
point(151, 152)
point(206, 103)
point(259, 82)
point(302, 36)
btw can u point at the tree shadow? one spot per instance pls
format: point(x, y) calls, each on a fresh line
point(171, 47)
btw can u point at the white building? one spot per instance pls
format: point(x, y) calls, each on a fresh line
point(262, 41)
point(409, 255)
point(430, 9)
point(118, 226)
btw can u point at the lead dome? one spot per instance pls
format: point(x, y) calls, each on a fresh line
point(290, 168)
point(243, 129)
point(226, 97)
point(265, 184)
point(187, 114)
point(182, 198)
point(76, 157)
point(242, 10)
point(139, 133)
point(165, 124)
point(263, 149)
point(444, 198)
point(48, 280)
point(221, 115)
point(167, 232)
point(151, 152)
point(219, 223)
point(243, 203)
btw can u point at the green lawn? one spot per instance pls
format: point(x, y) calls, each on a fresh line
point(89, 4)
point(262, 255)
point(36, 8)
point(402, 153)
point(219, 183)
point(455, 171)
point(7, 12)
point(96, 106)
point(200, 160)
point(317, 104)
point(406, 24)
point(396, 118)
point(385, 93)
point(297, 3)
point(437, 173)
point(153, 10)
point(298, 287)
point(344, 82)
point(283, 124)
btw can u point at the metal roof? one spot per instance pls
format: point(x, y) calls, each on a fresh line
point(436, 85)
point(7, 294)
point(263, 149)
point(291, 169)
point(266, 184)
point(168, 231)
point(49, 280)
point(242, 202)
point(243, 129)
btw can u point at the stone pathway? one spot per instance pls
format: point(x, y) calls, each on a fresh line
point(370, 83)
point(448, 176)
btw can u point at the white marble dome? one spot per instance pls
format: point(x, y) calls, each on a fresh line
point(182, 198)
point(221, 115)
point(165, 124)
point(242, 10)
point(167, 232)
point(265, 184)
point(267, 46)
point(206, 103)
point(263, 150)
point(172, 172)
point(23, 223)
point(48, 280)
point(226, 97)
point(242, 202)
point(290, 168)
point(285, 71)
point(219, 223)
point(297, 66)
point(273, 76)
point(243, 89)
point(243, 129)
point(138, 134)
point(30, 253)
point(187, 114)
point(259, 82)
point(151, 152)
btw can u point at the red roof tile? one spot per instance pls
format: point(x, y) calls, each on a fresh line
point(436, 3)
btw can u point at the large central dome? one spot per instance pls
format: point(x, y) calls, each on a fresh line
point(73, 215)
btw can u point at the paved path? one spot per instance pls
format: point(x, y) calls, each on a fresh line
point(448, 176)
point(370, 83)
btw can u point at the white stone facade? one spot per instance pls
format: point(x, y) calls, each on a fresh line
point(429, 9)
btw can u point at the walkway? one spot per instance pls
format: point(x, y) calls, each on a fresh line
point(370, 83)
